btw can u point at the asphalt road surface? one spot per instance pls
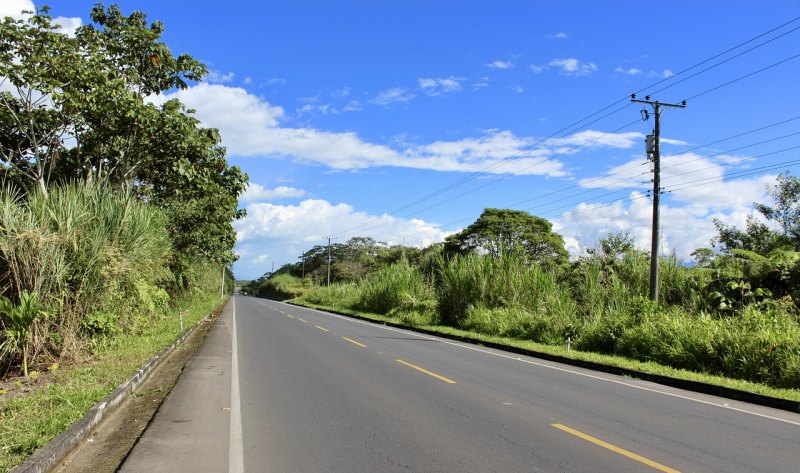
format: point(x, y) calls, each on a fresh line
point(278, 388)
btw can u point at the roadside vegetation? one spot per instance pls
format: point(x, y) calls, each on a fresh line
point(732, 314)
point(116, 214)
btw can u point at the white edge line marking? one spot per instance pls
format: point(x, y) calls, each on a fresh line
point(235, 450)
point(545, 365)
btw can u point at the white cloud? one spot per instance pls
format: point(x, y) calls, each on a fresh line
point(279, 233)
point(353, 106)
point(687, 219)
point(14, 9)
point(440, 86)
point(516, 89)
point(275, 81)
point(666, 73)
point(252, 127)
point(557, 36)
point(217, 77)
point(537, 69)
point(574, 67)
point(500, 65)
point(630, 71)
point(393, 96)
point(258, 193)
point(323, 109)
point(341, 93)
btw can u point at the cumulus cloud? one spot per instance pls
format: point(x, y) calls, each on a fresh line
point(252, 127)
point(574, 67)
point(279, 233)
point(694, 184)
point(14, 9)
point(500, 65)
point(258, 193)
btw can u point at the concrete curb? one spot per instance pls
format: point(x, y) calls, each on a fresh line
point(696, 386)
point(48, 456)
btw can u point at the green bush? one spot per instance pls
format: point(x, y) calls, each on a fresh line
point(84, 249)
point(393, 287)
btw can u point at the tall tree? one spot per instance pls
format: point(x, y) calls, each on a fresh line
point(498, 230)
point(759, 236)
point(77, 108)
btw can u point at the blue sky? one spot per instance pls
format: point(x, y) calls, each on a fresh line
point(342, 113)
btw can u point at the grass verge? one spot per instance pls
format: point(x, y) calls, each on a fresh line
point(609, 360)
point(28, 420)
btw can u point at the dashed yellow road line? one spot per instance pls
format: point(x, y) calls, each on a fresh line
point(615, 449)
point(321, 328)
point(354, 342)
point(423, 370)
point(302, 320)
point(289, 315)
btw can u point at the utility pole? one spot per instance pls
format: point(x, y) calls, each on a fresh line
point(222, 285)
point(272, 271)
point(654, 153)
point(329, 259)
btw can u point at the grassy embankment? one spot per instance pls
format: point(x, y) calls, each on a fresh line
point(90, 292)
point(35, 411)
point(507, 302)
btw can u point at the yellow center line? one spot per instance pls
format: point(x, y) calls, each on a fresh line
point(289, 315)
point(423, 370)
point(354, 342)
point(321, 328)
point(304, 321)
point(615, 449)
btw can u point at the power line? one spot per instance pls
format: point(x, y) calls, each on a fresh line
point(742, 77)
point(542, 142)
point(725, 61)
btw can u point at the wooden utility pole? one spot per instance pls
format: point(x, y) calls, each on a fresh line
point(654, 153)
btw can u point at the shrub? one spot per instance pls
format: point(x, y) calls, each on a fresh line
point(393, 287)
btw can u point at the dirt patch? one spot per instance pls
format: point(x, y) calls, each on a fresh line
point(108, 445)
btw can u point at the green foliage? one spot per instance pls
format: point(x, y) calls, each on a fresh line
point(19, 320)
point(84, 250)
point(398, 286)
point(92, 88)
point(504, 230)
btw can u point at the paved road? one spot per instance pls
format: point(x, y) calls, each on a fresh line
point(310, 391)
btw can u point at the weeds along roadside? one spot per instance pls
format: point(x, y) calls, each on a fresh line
point(596, 305)
point(89, 294)
point(35, 412)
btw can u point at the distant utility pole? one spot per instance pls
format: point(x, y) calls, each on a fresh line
point(222, 285)
point(273, 269)
point(654, 153)
point(329, 259)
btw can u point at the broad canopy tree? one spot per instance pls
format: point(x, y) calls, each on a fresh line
point(499, 230)
point(78, 109)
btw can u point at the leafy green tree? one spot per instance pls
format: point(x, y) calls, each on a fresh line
point(758, 236)
point(77, 109)
point(499, 230)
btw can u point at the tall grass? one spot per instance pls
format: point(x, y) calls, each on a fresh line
point(85, 250)
point(600, 305)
